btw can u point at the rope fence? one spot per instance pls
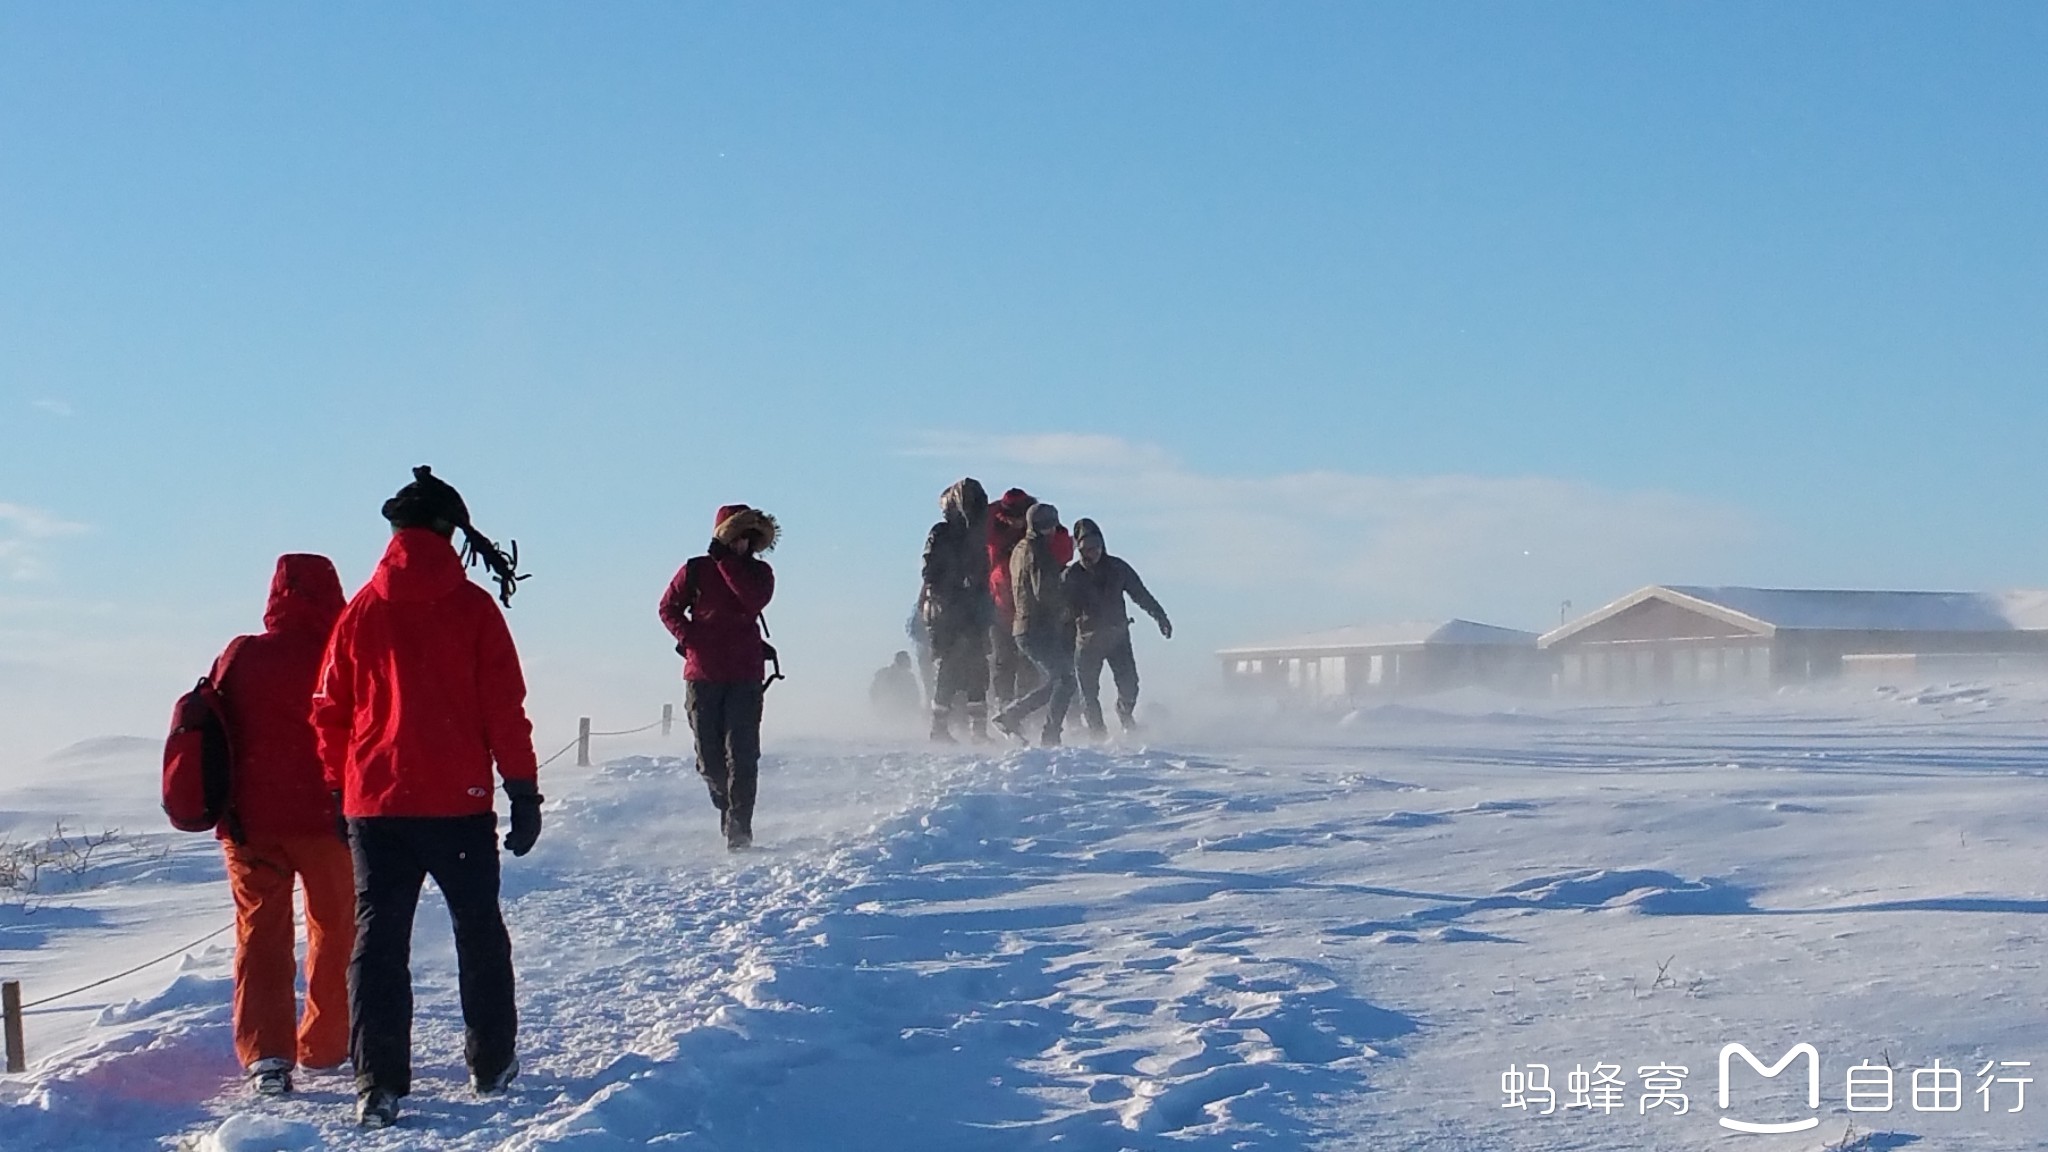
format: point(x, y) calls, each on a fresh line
point(12, 1007)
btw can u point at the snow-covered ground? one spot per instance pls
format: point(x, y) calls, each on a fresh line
point(1329, 936)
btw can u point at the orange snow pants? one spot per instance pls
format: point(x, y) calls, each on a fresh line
point(267, 1021)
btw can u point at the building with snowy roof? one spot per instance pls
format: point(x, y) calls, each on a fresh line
point(1685, 638)
point(1362, 661)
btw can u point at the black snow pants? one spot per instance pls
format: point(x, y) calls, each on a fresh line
point(726, 718)
point(962, 655)
point(394, 855)
point(1123, 668)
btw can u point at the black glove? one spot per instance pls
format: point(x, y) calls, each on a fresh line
point(1165, 628)
point(340, 820)
point(526, 800)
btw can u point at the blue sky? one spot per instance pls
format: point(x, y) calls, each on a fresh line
point(1330, 312)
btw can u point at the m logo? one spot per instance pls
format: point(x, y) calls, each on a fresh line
point(1812, 1087)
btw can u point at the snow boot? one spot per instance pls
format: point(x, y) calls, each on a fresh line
point(1050, 738)
point(942, 725)
point(977, 722)
point(492, 1085)
point(1127, 715)
point(739, 830)
point(271, 1076)
point(376, 1108)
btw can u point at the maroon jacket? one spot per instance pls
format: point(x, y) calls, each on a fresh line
point(267, 694)
point(713, 609)
point(1005, 532)
point(421, 692)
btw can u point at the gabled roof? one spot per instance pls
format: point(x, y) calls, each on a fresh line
point(1363, 637)
point(1766, 611)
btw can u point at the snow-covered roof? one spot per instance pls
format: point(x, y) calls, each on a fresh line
point(1412, 635)
point(1765, 611)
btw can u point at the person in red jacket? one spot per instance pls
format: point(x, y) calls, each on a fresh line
point(420, 695)
point(281, 831)
point(713, 609)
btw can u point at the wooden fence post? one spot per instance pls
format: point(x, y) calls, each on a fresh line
point(10, 1006)
point(583, 742)
point(668, 718)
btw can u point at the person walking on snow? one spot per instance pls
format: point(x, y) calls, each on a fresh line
point(893, 694)
point(282, 830)
point(1043, 627)
point(957, 608)
point(420, 694)
point(713, 609)
point(1011, 672)
point(1095, 588)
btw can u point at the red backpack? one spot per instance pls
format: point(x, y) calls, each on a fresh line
point(199, 758)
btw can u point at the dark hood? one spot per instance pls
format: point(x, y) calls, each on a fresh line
point(305, 595)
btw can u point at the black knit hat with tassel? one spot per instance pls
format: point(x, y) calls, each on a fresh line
point(432, 503)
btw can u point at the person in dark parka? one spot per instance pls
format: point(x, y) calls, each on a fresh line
point(713, 609)
point(419, 696)
point(1095, 588)
point(958, 609)
point(1043, 626)
point(894, 694)
point(1011, 673)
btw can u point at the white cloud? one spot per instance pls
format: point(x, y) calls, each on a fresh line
point(1324, 548)
point(25, 534)
point(53, 407)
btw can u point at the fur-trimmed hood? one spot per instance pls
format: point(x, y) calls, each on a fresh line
point(966, 502)
point(737, 520)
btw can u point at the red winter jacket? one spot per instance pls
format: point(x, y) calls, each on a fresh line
point(421, 690)
point(1005, 529)
point(266, 692)
point(713, 609)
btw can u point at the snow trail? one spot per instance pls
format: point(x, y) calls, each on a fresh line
point(950, 973)
point(1320, 943)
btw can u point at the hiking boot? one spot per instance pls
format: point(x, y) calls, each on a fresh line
point(493, 1085)
point(376, 1108)
point(271, 1076)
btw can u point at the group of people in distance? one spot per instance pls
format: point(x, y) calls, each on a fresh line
point(1013, 606)
point(364, 734)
